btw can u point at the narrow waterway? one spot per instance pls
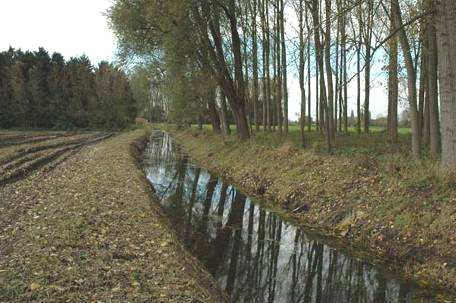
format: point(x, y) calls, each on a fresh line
point(253, 254)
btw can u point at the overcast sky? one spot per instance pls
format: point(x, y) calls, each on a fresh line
point(71, 27)
point(76, 27)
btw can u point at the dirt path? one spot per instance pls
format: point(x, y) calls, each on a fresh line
point(87, 231)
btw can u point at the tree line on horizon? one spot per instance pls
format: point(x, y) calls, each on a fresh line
point(38, 90)
point(211, 57)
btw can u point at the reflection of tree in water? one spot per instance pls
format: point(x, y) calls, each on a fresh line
point(210, 187)
point(254, 255)
point(177, 198)
point(188, 225)
point(235, 223)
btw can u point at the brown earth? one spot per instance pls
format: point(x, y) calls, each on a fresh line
point(88, 230)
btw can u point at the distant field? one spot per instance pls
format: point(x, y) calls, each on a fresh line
point(352, 130)
point(374, 129)
point(376, 142)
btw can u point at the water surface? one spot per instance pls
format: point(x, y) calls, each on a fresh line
point(253, 254)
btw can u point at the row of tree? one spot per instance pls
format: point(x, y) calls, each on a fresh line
point(212, 55)
point(42, 91)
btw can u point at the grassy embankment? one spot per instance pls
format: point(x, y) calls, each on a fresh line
point(84, 229)
point(368, 193)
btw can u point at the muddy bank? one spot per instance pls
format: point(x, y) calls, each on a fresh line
point(400, 227)
point(88, 230)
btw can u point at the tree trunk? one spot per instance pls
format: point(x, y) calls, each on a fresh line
point(309, 84)
point(317, 94)
point(284, 70)
point(367, 63)
point(358, 82)
point(255, 66)
point(243, 131)
point(244, 42)
point(234, 88)
point(200, 122)
point(242, 123)
point(433, 103)
point(344, 68)
point(301, 72)
point(411, 80)
point(337, 95)
point(268, 74)
point(323, 97)
point(330, 88)
point(422, 91)
point(215, 121)
point(265, 65)
point(224, 114)
point(393, 83)
point(367, 90)
point(446, 24)
point(278, 66)
point(366, 32)
point(426, 129)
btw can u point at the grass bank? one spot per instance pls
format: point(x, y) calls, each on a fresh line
point(86, 231)
point(369, 195)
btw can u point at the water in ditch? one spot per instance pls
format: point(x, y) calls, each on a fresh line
point(253, 254)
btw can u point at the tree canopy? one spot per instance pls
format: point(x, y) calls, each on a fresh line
point(39, 90)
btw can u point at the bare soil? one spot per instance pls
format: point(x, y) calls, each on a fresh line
point(78, 223)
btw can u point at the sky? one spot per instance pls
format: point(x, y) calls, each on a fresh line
point(71, 27)
point(378, 91)
point(76, 27)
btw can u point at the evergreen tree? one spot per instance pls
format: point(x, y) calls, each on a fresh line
point(40, 91)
